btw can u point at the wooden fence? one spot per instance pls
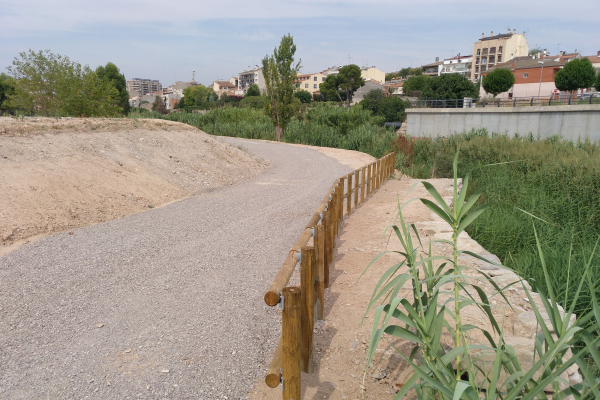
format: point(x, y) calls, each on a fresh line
point(302, 305)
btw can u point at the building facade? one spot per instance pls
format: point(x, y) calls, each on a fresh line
point(247, 78)
point(432, 69)
point(144, 86)
point(310, 82)
point(373, 74)
point(457, 65)
point(496, 49)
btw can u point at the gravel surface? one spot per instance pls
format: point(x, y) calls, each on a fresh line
point(166, 303)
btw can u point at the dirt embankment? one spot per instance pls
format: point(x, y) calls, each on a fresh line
point(58, 174)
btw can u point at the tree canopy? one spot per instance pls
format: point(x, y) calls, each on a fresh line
point(415, 84)
point(253, 90)
point(304, 96)
point(52, 84)
point(390, 108)
point(597, 84)
point(110, 73)
point(280, 73)
point(6, 88)
point(159, 105)
point(498, 81)
point(372, 99)
point(449, 86)
point(330, 89)
point(349, 80)
point(576, 74)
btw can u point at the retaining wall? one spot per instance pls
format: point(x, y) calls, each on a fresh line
point(571, 122)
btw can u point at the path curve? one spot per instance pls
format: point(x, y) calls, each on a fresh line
point(166, 303)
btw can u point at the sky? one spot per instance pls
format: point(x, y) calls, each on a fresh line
point(167, 40)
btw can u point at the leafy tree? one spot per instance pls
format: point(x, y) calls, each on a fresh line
point(54, 85)
point(372, 100)
point(535, 50)
point(415, 71)
point(181, 103)
point(6, 89)
point(253, 90)
point(576, 74)
point(349, 80)
point(449, 86)
point(392, 109)
point(304, 96)
point(416, 83)
point(330, 89)
point(498, 81)
point(280, 75)
point(159, 105)
point(189, 95)
point(597, 84)
point(111, 73)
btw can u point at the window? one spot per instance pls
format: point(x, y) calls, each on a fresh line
point(525, 74)
point(477, 61)
point(483, 68)
point(485, 51)
point(499, 58)
point(306, 85)
point(476, 69)
point(492, 50)
point(483, 60)
point(492, 59)
point(315, 78)
point(323, 79)
point(478, 52)
point(500, 50)
point(315, 86)
point(297, 85)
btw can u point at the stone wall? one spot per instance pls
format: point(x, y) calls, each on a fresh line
point(571, 122)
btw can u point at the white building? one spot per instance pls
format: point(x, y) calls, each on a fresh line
point(247, 78)
point(457, 65)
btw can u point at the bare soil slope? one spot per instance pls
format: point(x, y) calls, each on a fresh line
point(58, 174)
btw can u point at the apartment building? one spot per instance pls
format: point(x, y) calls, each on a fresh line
point(530, 77)
point(220, 87)
point(247, 78)
point(367, 73)
point(457, 65)
point(144, 86)
point(495, 49)
point(432, 69)
point(310, 82)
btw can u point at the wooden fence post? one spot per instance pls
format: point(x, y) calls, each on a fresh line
point(368, 187)
point(291, 336)
point(307, 287)
point(379, 175)
point(376, 176)
point(356, 189)
point(341, 200)
point(320, 269)
point(328, 243)
point(334, 213)
point(362, 185)
point(372, 178)
point(349, 201)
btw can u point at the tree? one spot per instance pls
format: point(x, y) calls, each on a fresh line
point(416, 83)
point(349, 80)
point(449, 86)
point(253, 90)
point(111, 73)
point(54, 85)
point(303, 96)
point(372, 100)
point(330, 89)
point(576, 74)
point(498, 81)
point(392, 109)
point(189, 95)
point(256, 102)
point(6, 89)
point(280, 75)
point(597, 84)
point(159, 105)
point(535, 50)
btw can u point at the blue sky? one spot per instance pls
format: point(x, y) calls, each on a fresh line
point(166, 40)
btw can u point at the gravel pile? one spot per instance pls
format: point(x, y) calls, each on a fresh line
point(166, 303)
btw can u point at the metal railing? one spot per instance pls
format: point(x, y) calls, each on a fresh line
point(554, 100)
point(302, 305)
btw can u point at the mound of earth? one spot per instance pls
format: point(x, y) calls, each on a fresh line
point(58, 174)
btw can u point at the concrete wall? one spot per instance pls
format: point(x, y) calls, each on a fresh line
point(571, 122)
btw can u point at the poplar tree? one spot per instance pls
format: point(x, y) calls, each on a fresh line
point(280, 75)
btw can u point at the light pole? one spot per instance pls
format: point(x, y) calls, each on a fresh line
point(541, 73)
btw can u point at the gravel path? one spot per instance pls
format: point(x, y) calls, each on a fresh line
point(166, 303)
